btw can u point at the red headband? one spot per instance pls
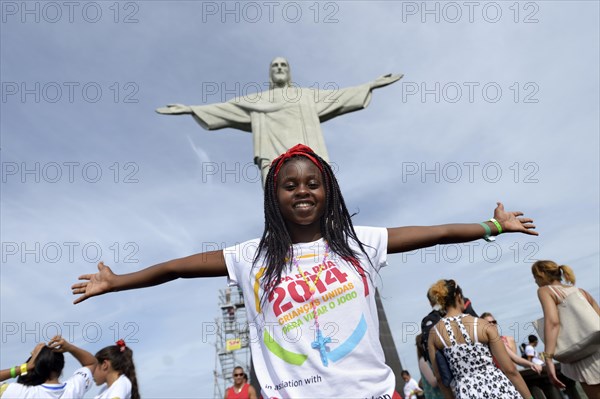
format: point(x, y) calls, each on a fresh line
point(298, 149)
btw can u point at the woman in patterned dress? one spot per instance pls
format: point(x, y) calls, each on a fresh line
point(466, 342)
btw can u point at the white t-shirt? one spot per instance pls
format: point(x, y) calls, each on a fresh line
point(411, 386)
point(74, 388)
point(530, 351)
point(120, 389)
point(282, 330)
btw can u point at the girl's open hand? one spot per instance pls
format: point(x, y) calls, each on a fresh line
point(513, 222)
point(96, 284)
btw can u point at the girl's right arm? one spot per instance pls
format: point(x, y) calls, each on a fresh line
point(206, 264)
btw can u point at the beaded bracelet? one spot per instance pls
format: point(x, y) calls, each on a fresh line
point(548, 355)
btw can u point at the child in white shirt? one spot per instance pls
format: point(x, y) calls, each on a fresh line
point(117, 371)
point(39, 376)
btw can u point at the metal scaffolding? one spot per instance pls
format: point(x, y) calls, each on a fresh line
point(232, 343)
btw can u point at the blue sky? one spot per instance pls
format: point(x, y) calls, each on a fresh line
point(499, 102)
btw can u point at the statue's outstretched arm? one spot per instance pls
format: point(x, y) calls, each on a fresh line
point(174, 109)
point(385, 80)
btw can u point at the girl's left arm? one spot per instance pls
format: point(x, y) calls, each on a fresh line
point(402, 239)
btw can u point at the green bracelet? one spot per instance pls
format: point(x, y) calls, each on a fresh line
point(488, 232)
point(497, 225)
point(13, 372)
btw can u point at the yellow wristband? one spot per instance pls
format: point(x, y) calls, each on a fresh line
point(24, 369)
point(498, 226)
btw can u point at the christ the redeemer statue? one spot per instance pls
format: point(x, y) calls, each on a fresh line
point(283, 116)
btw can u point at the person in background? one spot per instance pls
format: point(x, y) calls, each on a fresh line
point(117, 370)
point(411, 387)
point(511, 347)
point(42, 380)
point(240, 388)
point(23, 368)
point(428, 380)
point(433, 317)
point(555, 284)
point(530, 352)
point(466, 342)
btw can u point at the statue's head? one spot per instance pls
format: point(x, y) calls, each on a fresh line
point(279, 73)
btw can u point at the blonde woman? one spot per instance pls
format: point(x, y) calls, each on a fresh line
point(555, 284)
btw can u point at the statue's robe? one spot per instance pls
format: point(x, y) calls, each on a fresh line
point(280, 118)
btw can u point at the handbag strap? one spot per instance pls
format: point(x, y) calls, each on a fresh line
point(561, 293)
point(587, 296)
point(558, 293)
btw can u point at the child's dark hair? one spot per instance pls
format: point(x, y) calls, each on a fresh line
point(336, 224)
point(522, 349)
point(121, 360)
point(47, 364)
point(532, 338)
point(419, 343)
